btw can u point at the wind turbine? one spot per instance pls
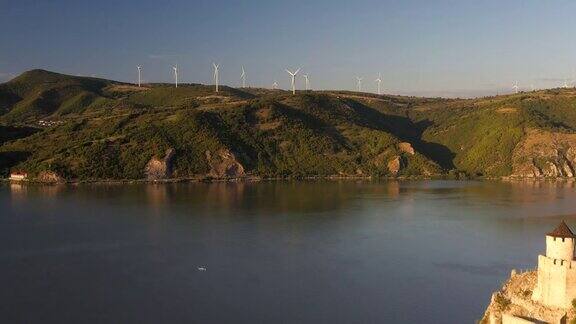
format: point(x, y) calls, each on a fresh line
point(359, 79)
point(293, 75)
point(566, 83)
point(515, 87)
point(175, 68)
point(139, 74)
point(379, 80)
point(243, 76)
point(275, 85)
point(216, 66)
point(307, 81)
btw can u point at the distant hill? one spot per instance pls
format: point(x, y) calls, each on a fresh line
point(89, 129)
point(39, 93)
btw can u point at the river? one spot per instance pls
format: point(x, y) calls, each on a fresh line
point(269, 252)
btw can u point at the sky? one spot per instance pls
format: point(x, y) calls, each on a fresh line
point(429, 48)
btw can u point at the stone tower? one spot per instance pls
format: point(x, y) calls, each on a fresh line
point(556, 286)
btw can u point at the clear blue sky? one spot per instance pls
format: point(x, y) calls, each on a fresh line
point(422, 47)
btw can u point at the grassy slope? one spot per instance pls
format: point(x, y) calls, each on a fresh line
point(39, 93)
point(482, 133)
point(110, 130)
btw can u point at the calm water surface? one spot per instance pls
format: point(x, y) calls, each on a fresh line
point(306, 252)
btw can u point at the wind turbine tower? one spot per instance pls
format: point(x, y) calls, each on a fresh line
point(243, 76)
point(139, 75)
point(216, 66)
point(359, 80)
point(275, 85)
point(515, 87)
point(175, 68)
point(293, 76)
point(307, 81)
point(378, 81)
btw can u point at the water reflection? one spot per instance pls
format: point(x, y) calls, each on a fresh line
point(313, 197)
point(358, 251)
point(18, 191)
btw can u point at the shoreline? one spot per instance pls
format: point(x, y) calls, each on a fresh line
point(253, 179)
point(199, 179)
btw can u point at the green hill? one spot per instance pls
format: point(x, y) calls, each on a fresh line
point(87, 128)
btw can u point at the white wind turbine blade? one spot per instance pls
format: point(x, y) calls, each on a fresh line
point(297, 71)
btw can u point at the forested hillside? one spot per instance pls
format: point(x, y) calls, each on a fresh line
point(91, 129)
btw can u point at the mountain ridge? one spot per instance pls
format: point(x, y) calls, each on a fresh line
point(95, 129)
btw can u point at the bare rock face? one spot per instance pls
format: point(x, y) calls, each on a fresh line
point(406, 147)
point(395, 165)
point(544, 154)
point(513, 303)
point(551, 170)
point(49, 177)
point(223, 164)
point(567, 170)
point(160, 168)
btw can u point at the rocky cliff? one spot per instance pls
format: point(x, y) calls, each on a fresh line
point(49, 177)
point(160, 168)
point(544, 154)
point(513, 304)
point(223, 164)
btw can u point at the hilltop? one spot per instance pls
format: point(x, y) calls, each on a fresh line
point(91, 129)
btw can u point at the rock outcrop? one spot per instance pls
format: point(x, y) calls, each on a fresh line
point(544, 154)
point(395, 165)
point(49, 177)
point(160, 168)
point(223, 164)
point(406, 147)
point(513, 304)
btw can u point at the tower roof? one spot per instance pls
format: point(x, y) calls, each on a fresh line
point(562, 230)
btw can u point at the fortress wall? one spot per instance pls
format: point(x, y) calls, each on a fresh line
point(570, 286)
point(559, 248)
point(552, 280)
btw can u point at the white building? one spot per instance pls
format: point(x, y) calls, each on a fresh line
point(556, 286)
point(18, 176)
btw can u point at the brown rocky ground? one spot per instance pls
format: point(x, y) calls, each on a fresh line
point(544, 154)
point(515, 298)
